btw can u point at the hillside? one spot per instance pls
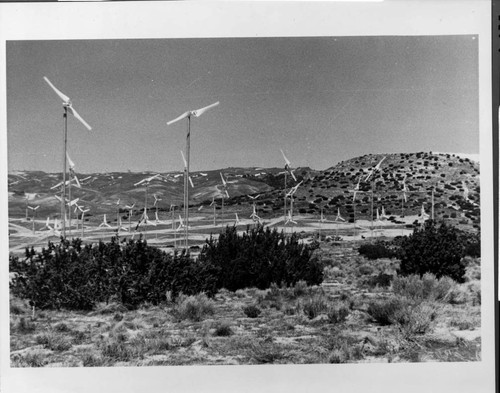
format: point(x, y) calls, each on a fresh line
point(455, 181)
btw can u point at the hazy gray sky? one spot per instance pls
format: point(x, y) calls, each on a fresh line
point(322, 100)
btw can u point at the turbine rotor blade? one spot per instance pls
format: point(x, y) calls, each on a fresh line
point(70, 161)
point(199, 112)
point(183, 116)
point(286, 159)
point(75, 113)
point(191, 182)
point(62, 96)
point(223, 181)
point(184, 160)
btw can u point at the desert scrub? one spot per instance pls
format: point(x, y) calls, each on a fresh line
point(23, 326)
point(223, 329)
point(194, 308)
point(30, 359)
point(427, 287)
point(252, 311)
point(377, 250)
point(384, 312)
point(314, 305)
point(338, 313)
point(53, 341)
point(365, 270)
point(415, 319)
point(343, 349)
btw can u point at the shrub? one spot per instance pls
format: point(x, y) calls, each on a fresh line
point(252, 311)
point(75, 276)
point(24, 325)
point(260, 257)
point(338, 313)
point(384, 312)
point(432, 249)
point(314, 305)
point(427, 287)
point(300, 288)
point(53, 342)
point(377, 250)
point(415, 319)
point(223, 330)
point(365, 269)
point(194, 308)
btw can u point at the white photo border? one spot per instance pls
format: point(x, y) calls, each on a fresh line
point(124, 20)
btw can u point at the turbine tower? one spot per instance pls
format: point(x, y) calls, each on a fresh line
point(187, 115)
point(68, 107)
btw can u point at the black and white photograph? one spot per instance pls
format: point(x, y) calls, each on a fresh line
point(277, 202)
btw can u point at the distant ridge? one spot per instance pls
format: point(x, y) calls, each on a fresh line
point(451, 179)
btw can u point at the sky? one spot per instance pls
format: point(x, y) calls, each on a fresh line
point(321, 100)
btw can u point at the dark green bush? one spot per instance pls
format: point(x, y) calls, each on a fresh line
point(380, 249)
point(434, 249)
point(258, 258)
point(75, 276)
point(252, 311)
point(69, 275)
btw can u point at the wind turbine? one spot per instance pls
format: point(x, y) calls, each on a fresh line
point(181, 224)
point(118, 213)
point(72, 177)
point(373, 171)
point(104, 222)
point(383, 216)
point(27, 207)
point(130, 210)
point(404, 190)
point(68, 107)
point(288, 170)
point(288, 166)
point(214, 205)
point(423, 215)
point(83, 211)
point(155, 204)
point(337, 220)
point(187, 115)
point(53, 229)
point(237, 221)
point(146, 181)
point(224, 189)
point(321, 220)
point(34, 209)
point(254, 215)
point(69, 203)
point(290, 194)
point(289, 218)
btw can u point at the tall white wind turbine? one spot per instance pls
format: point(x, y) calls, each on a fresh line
point(68, 107)
point(187, 115)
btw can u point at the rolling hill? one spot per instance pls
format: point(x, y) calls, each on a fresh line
point(450, 180)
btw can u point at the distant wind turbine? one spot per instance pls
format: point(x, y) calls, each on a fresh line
point(33, 209)
point(288, 170)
